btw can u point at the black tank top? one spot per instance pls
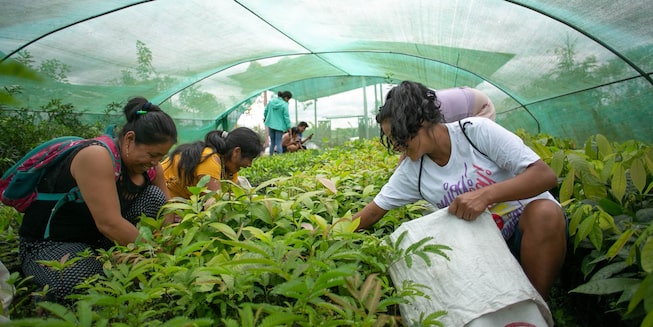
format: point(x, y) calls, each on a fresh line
point(73, 222)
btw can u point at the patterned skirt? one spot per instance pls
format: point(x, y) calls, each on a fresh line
point(62, 283)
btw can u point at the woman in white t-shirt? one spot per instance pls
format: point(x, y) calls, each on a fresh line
point(481, 167)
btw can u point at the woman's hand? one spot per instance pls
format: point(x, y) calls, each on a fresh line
point(470, 205)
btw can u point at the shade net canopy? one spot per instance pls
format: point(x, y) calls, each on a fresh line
point(566, 68)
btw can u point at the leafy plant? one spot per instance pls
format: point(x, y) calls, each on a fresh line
point(606, 190)
point(286, 252)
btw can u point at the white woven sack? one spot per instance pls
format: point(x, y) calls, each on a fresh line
point(6, 292)
point(482, 281)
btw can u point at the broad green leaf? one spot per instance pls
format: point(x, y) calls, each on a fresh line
point(259, 234)
point(606, 221)
point(368, 190)
point(261, 187)
point(605, 286)
point(179, 205)
point(609, 270)
point(577, 217)
point(618, 183)
point(558, 162)
point(619, 244)
point(648, 320)
point(648, 301)
point(206, 283)
point(230, 323)
point(144, 233)
point(346, 255)
point(589, 150)
point(134, 297)
point(247, 245)
point(85, 314)
point(150, 222)
point(307, 202)
point(248, 261)
point(603, 145)
point(596, 236)
point(592, 185)
point(648, 158)
point(59, 311)
point(638, 175)
point(606, 171)
point(334, 277)
point(641, 293)
point(280, 319)
point(105, 300)
point(196, 190)
point(330, 185)
point(261, 211)
point(185, 321)
point(610, 207)
point(225, 229)
point(319, 221)
point(215, 263)
point(190, 248)
point(585, 228)
point(627, 294)
point(567, 187)
point(647, 255)
point(246, 316)
point(344, 225)
point(190, 236)
point(294, 288)
point(541, 150)
point(632, 255)
point(237, 190)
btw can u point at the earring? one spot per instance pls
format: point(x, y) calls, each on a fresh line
point(127, 150)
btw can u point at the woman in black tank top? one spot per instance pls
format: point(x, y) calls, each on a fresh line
point(111, 206)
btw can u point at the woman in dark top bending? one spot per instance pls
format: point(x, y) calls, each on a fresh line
point(111, 205)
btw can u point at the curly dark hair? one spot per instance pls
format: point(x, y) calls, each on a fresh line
point(407, 105)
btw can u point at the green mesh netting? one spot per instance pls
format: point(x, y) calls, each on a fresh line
point(567, 68)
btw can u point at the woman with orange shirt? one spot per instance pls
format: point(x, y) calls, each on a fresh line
point(220, 155)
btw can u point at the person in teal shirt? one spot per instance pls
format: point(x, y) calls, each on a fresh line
point(277, 120)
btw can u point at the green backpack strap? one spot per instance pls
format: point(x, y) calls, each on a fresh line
point(74, 195)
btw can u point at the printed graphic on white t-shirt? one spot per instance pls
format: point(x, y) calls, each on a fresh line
point(505, 214)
